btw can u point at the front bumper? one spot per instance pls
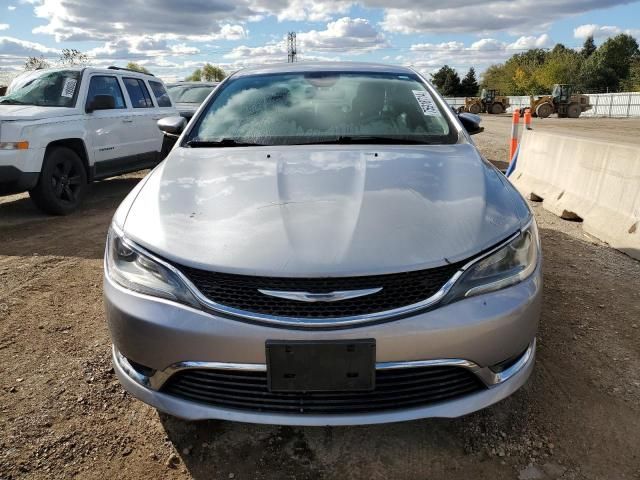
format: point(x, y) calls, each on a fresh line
point(482, 331)
point(19, 170)
point(13, 180)
point(508, 382)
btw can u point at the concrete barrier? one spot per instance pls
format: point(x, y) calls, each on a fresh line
point(578, 178)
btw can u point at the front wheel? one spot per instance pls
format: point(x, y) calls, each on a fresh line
point(574, 110)
point(62, 182)
point(544, 110)
point(497, 109)
point(474, 108)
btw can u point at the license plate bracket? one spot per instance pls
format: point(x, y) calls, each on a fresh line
point(321, 366)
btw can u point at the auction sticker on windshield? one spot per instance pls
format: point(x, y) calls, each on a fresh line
point(426, 103)
point(69, 87)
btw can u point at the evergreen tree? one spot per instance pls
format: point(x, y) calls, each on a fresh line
point(469, 84)
point(589, 47)
point(447, 81)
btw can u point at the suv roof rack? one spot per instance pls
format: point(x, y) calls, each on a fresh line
point(113, 67)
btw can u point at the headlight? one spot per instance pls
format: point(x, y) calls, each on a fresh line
point(509, 265)
point(131, 268)
point(23, 145)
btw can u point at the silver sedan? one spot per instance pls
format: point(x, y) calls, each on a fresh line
point(323, 246)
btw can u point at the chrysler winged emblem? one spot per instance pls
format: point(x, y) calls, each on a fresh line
point(320, 297)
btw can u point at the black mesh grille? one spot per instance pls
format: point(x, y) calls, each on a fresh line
point(398, 290)
point(395, 389)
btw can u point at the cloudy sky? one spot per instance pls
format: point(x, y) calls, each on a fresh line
point(172, 37)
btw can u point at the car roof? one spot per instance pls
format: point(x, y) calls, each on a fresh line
point(193, 84)
point(307, 67)
point(79, 68)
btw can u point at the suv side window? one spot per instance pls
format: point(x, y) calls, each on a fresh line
point(106, 85)
point(162, 97)
point(138, 93)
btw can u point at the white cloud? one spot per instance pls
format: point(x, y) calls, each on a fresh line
point(245, 56)
point(72, 20)
point(413, 16)
point(313, 11)
point(15, 47)
point(528, 42)
point(209, 20)
point(428, 57)
point(4, 26)
point(601, 31)
point(11, 8)
point(140, 47)
point(348, 35)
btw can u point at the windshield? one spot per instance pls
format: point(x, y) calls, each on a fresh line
point(49, 89)
point(190, 94)
point(306, 108)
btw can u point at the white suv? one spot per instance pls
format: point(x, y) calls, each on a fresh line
point(69, 126)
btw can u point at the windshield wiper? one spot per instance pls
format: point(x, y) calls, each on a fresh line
point(225, 142)
point(10, 101)
point(368, 139)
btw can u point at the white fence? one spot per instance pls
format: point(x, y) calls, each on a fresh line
point(626, 104)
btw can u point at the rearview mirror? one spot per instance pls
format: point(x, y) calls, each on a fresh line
point(471, 123)
point(101, 102)
point(172, 126)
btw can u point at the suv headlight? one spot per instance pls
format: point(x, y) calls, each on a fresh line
point(130, 267)
point(507, 266)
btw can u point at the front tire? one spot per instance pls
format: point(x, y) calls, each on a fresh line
point(544, 110)
point(474, 108)
point(497, 109)
point(62, 182)
point(574, 110)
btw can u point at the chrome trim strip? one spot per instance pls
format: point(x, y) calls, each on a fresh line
point(517, 366)
point(129, 370)
point(312, 322)
point(486, 375)
point(320, 297)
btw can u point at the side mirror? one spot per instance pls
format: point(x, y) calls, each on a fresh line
point(101, 102)
point(471, 123)
point(172, 126)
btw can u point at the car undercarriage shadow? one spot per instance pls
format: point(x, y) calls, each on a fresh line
point(221, 449)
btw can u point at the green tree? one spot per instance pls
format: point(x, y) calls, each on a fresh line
point(211, 73)
point(447, 81)
point(469, 84)
point(632, 82)
point(610, 65)
point(71, 56)
point(617, 53)
point(36, 63)
point(562, 65)
point(196, 76)
point(137, 67)
point(589, 47)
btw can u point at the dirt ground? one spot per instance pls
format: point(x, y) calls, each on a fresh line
point(64, 415)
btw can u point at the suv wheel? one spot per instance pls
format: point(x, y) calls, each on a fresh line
point(62, 182)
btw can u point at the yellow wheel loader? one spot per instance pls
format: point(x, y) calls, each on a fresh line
point(561, 101)
point(488, 102)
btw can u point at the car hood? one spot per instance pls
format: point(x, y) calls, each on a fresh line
point(32, 112)
point(323, 210)
point(187, 109)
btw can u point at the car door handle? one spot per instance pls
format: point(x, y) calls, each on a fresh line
point(127, 120)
